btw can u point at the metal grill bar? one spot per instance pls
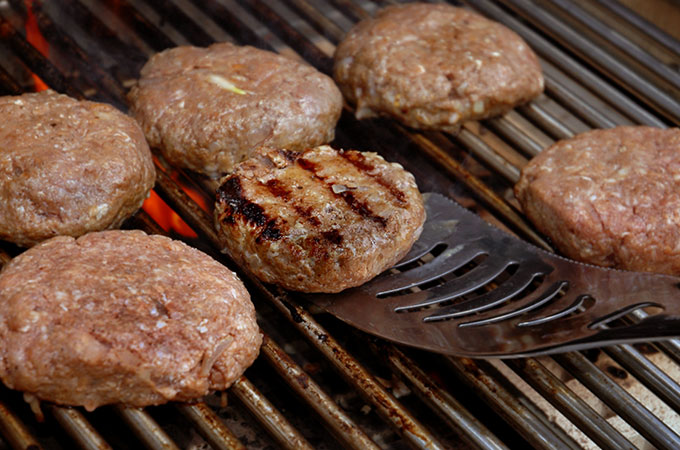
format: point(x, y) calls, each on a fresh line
point(578, 411)
point(14, 431)
point(654, 378)
point(77, 426)
point(517, 409)
point(146, 429)
point(576, 99)
point(575, 69)
point(210, 426)
point(35, 61)
point(10, 87)
point(271, 419)
point(621, 42)
point(346, 430)
point(627, 407)
point(652, 31)
point(471, 429)
point(615, 69)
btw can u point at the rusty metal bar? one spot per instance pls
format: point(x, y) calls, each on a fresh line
point(210, 426)
point(569, 93)
point(351, 9)
point(292, 36)
point(88, 69)
point(321, 23)
point(15, 432)
point(511, 404)
point(8, 84)
point(568, 403)
point(36, 62)
point(488, 155)
point(77, 426)
point(531, 141)
point(224, 15)
point(448, 163)
point(472, 431)
point(639, 417)
point(271, 419)
point(647, 372)
point(147, 30)
point(340, 424)
point(193, 32)
point(392, 412)
point(145, 428)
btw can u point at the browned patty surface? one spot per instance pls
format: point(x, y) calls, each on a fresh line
point(207, 109)
point(320, 220)
point(120, 316)
point(68, 167)
point(433, 66)
point(609, 197)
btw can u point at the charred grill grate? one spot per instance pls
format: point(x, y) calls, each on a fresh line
point(604, 66)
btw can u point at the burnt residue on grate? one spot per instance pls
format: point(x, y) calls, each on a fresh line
point(319, 383)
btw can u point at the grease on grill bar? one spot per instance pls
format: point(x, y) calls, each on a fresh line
point(604, 66)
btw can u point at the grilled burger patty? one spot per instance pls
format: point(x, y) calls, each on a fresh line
point(122, 317)
point(433, 66)
point(207, 109)
point(320, 220)
point(68, 167)
point(609, 197)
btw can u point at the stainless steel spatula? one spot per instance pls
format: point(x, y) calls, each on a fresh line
point(469, 289)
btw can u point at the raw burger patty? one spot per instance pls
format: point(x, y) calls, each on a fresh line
point(207, 109)
point(321, 220)
point(68, 167)
point(122, 317)
point(609, 197)
point(433, 66)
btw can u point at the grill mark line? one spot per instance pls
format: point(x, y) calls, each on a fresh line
point(357, 206)
point(359, 161)
point(230, 193)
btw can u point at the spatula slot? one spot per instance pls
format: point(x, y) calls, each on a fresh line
point(432, 273)
point(580, 305)
point(609, 320)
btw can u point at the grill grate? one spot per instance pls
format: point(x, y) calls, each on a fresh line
point(604, 66)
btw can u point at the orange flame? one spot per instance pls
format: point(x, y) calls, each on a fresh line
point(191, 192)
point(165, 217)
point(37, 40)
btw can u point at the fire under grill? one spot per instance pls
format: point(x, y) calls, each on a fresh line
point(319, 383)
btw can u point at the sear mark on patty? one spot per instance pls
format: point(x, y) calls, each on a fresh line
point(332, 236)
point(356, 205)
point(278, 189)
point(231, 194)
point(306, 213)
point(359, 161)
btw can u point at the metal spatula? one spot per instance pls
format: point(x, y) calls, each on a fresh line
point(469, 289)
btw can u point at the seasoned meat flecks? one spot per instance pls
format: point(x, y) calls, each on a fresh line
point(433, 66)
point(68, 167)
point(122, 317)
point(207, 109)
point(609, 197)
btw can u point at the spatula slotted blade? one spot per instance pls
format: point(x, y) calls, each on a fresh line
point(486, 293)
